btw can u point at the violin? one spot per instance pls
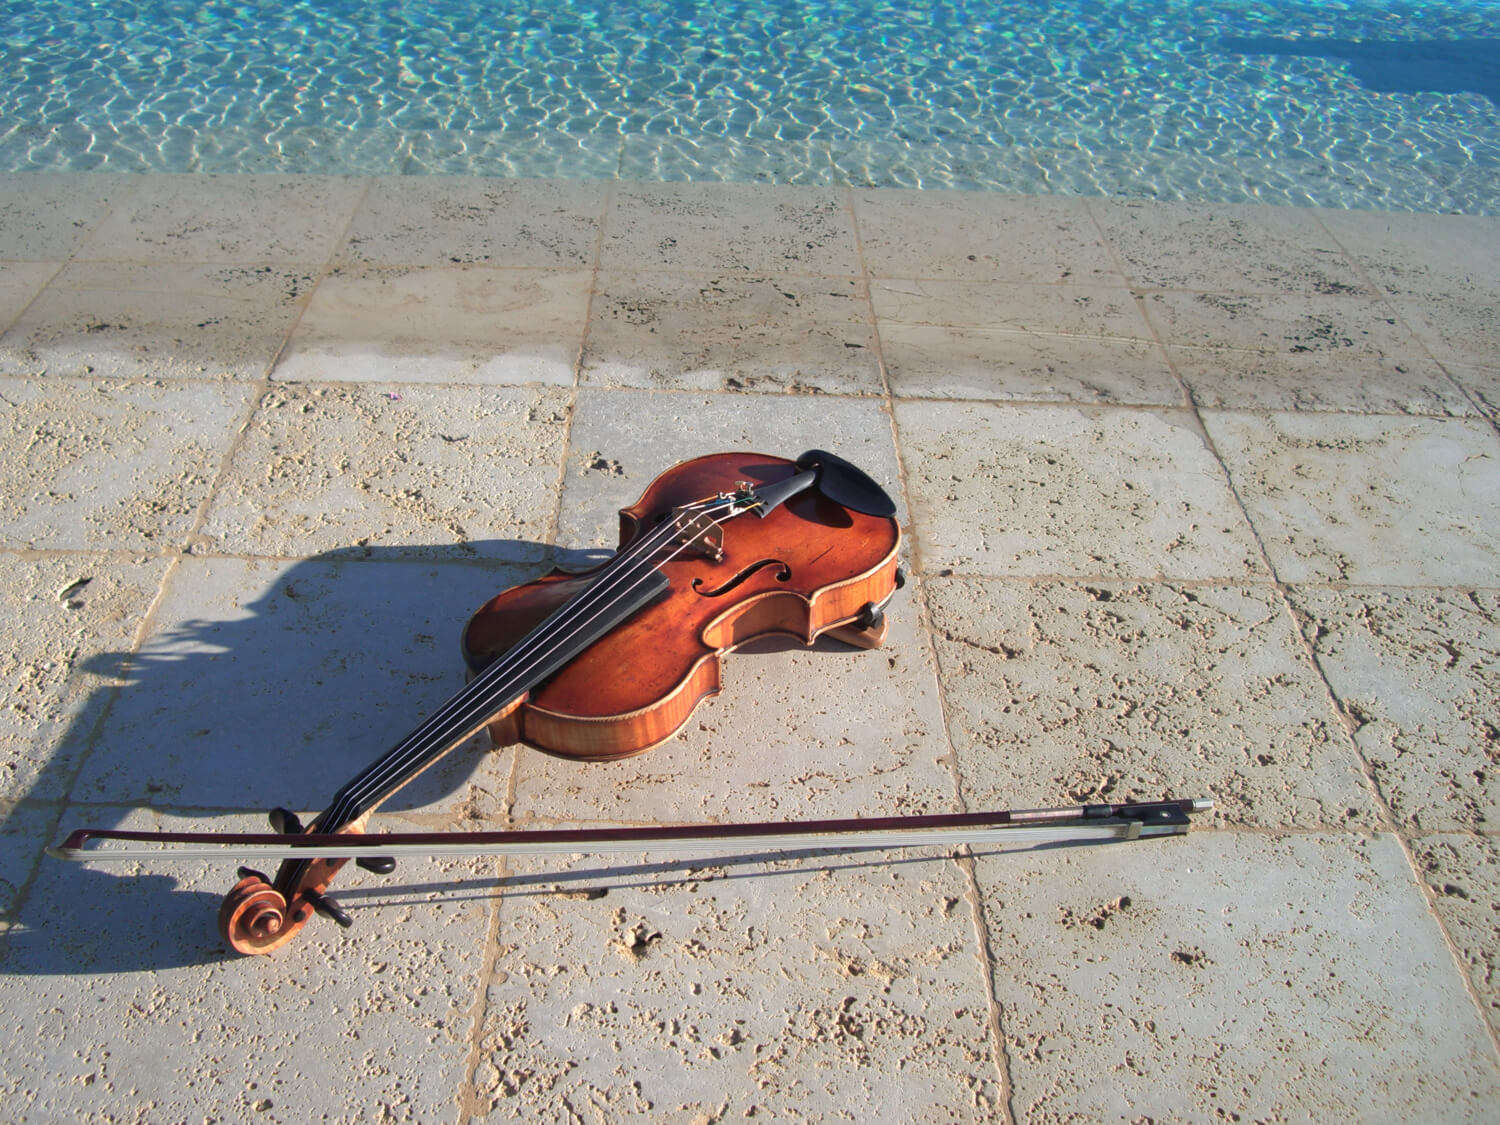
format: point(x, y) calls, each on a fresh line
point(611, 661)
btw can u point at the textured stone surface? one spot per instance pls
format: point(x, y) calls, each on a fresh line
point(1238, 988)
point(732, 227)
point(441, 324)
point(272, 439)
point(1115, 691)
point(1071, 491)
point(100, 466)
point(157, 321)
point(726, 332)
point(674, 1016)
point(444, 470)
point(1418, 672)
point(1368, 499)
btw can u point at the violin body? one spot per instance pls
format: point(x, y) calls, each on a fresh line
point(809, 567)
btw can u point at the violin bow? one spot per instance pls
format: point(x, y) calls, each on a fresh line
point(1128, 821)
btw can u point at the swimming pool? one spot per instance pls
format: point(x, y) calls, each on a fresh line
point(1356, 103)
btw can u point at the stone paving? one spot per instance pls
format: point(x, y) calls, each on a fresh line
point(1200, 500)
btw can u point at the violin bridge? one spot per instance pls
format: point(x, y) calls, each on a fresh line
point(705, 540)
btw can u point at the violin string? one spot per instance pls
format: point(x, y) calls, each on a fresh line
point(472, 708)
point(476, 702)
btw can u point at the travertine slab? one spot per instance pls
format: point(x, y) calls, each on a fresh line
point(442, 470)
point(129, 999)
point(1463, 874)
point(20, 282)
point(110, 466)
point(686, 331)
point(45, 217)
point(981, 236)
point(156, 320)
point(1073, 694)
point(440, 324)
point(265, 684)
point(1368, 499)
point(1419, 672)
point(811, 989)
point(464, 220)
point(240, 219)
point(736, 228)
point(1042, 490)
point(941, 362)
point(1236, 247)
point(1230, 975)
point(72, 622)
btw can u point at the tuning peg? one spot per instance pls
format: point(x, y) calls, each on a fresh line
point(328, 908)
point(284, 821)
point(379, 864)
point(251, 873)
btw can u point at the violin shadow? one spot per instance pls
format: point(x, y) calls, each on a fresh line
point(261, 683)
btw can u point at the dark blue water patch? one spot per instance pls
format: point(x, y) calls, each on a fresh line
point(1456, 66)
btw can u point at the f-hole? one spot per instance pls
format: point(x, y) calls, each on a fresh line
point(782, 575)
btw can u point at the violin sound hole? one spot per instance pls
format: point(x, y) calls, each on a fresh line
point(784, 574)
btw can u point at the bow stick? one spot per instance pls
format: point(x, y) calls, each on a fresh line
point(1117, 821)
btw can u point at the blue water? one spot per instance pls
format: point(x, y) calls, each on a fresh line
point(1358, 104)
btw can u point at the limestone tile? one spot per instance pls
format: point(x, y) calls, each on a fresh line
point(741, 228)
point(110, 466)
point(1348, 328)
point(727, 331)
point(1100, 311)
point(439, 324)
point(981, 236)
point(1225, 976)
point(1456, 331)
point(72, 621)
point(227, 219)
point(1463, 873)
point(45, 217)
point(1422, 255)
point(1232, 379)
point(439, 470)
point(808, 989)
point(20, 282)
point(939, 362)
point(1239, 247)
point(1052, 490)
point(1483, 383)
point(467, 220)
point(271, 683)
point(130, 999)
point(25, 830)
point(795, 733)
point(1419, 671)
point(125, 320)
point(1373, 500)
point(1072, 694)
point(622, 440)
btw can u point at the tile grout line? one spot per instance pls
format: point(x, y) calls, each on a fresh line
point(994, 1015)
point(467, 1097)
point(1343, 717)
point(1419, 337)
point(1351, 725)
point(1387, 821)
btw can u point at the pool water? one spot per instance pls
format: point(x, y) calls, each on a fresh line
point(1355, 104)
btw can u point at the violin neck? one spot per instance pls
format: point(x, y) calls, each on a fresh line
point(615, 595)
